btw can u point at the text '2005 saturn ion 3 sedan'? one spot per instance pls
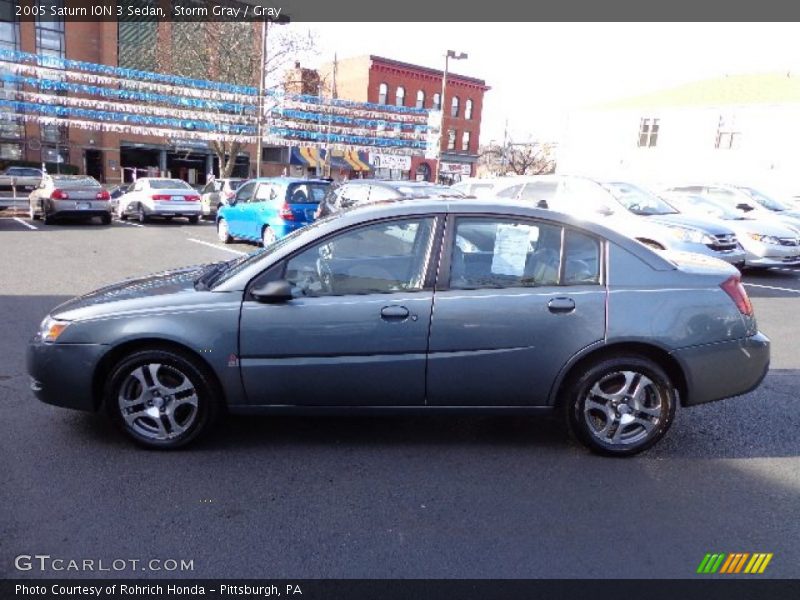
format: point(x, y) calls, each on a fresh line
point(428, 305)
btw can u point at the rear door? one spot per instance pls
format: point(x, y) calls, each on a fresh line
point(515, 300)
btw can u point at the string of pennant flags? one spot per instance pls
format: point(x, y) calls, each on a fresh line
point(108, 98)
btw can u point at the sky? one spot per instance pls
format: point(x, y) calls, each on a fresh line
point(539, 71)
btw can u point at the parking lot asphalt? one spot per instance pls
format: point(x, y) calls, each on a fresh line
point(412, 497)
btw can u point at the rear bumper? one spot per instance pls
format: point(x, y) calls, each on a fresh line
point(174, 210)
point(724, 369)
point(61, 374)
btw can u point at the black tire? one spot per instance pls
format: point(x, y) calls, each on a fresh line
point(194, 219)
point(198, 418)
point(594, 427)
point(143, 217)
point(46, 216)
point(105, 219)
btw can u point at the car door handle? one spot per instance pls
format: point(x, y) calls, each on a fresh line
point(394, 312)
point(561, 305)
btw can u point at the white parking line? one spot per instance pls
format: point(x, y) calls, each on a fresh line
point(28, 225)
point(210, 245)
point(129, 223)
point(772, 287)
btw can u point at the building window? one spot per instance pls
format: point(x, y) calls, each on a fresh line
point(383, 93)
point(10, 151)
point(451, 139)
point(55, 155)
point(50, 32)
point(420, 99)
point(468, 109)
point(400, 96)
point(465, 139)
point(274, 154)
point(9, 40)
point(454, 106)
point(728, 134)
point(648, 133)
point(436, 103)
point(137, 41)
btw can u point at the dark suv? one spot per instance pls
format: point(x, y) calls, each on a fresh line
point(366, 191)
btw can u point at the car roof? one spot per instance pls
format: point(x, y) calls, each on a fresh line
point(288, 180)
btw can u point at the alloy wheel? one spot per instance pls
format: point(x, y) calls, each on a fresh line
point(158, 401)
point(623, 408)
point(267, 236)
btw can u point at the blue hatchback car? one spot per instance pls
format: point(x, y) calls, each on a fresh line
point(267, 209)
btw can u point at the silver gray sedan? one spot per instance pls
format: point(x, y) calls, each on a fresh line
point(78, 196)
point(464, 306)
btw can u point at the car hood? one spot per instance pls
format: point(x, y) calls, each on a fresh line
point(709, 225)
point(131, 294)
point(761, 226)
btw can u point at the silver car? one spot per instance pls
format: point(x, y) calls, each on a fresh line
point(535, 312)
point(217, 194)
point(159, 197)
point(767, 243)
point(78, 196)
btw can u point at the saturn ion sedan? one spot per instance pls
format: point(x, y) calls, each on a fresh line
point(430, 305)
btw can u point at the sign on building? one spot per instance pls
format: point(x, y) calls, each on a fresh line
point(390, 161)
point(456, 168)
point(432, 140)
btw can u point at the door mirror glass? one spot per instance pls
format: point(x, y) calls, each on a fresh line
point(273, 292)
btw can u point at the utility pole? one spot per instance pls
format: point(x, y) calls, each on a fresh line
point(262, 75)
point(505, 146)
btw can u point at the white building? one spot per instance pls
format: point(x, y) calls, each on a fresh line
point(739, 129)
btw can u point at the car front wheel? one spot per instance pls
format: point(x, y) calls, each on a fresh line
point(160, 398)
point(267, 236)
point(621, 405)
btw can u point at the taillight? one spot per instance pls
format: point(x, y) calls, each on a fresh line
point(104, 195)
point(161, 196)
point(286, 212)
point(192, 198)
point(59, 195)
point(734, 288)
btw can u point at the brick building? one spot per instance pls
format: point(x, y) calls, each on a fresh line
point(386, 81)
point(108, 156)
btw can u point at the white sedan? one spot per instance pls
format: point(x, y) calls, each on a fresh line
point(160, 197)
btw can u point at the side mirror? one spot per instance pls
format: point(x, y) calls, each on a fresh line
point(542, 204)
point(606, 211)
point(232, 201)
point(744, 206)
point(273, 292)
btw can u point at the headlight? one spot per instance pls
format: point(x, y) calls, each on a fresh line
point(694, 236)
point(51, 329)
point(765, 239)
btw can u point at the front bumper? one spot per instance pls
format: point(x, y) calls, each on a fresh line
point(724, 369)
point(62, 374)
point(770, 255)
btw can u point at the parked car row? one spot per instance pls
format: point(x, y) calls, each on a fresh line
point(739, 225)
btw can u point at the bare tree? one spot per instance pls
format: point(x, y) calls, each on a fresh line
point(230, 52)
point(526, 158)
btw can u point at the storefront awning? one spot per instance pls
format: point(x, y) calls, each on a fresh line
point(350, 160)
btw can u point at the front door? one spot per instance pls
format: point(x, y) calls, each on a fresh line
point(514, 309)
point(356, 331)
point(236, 213)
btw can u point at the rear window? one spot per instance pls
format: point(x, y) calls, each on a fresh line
point(236, 184)
point(74, 182)
point(306, 193)
point(169, 184)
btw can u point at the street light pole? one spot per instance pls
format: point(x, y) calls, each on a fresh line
point(455, 56)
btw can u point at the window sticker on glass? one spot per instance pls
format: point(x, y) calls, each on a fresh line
point(511, 246)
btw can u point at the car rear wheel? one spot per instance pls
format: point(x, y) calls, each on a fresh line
point(32, 213)
point(161, 399)
point(621, 405)
point(222, 232)
point(46, 216)
point(267, 236)
point(194, 219)
point(143, 218)
point(106, 219)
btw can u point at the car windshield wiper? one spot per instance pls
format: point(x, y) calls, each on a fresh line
point(205, 281)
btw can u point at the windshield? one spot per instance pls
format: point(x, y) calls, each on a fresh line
point(692, 203)
point(235, 184)
point(169, 184)
point(637, 200)
point(428, 191)
point(766, 201)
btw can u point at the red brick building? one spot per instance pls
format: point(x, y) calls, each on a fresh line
point(387, 81)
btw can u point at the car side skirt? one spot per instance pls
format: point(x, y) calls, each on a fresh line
point(275, 409)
